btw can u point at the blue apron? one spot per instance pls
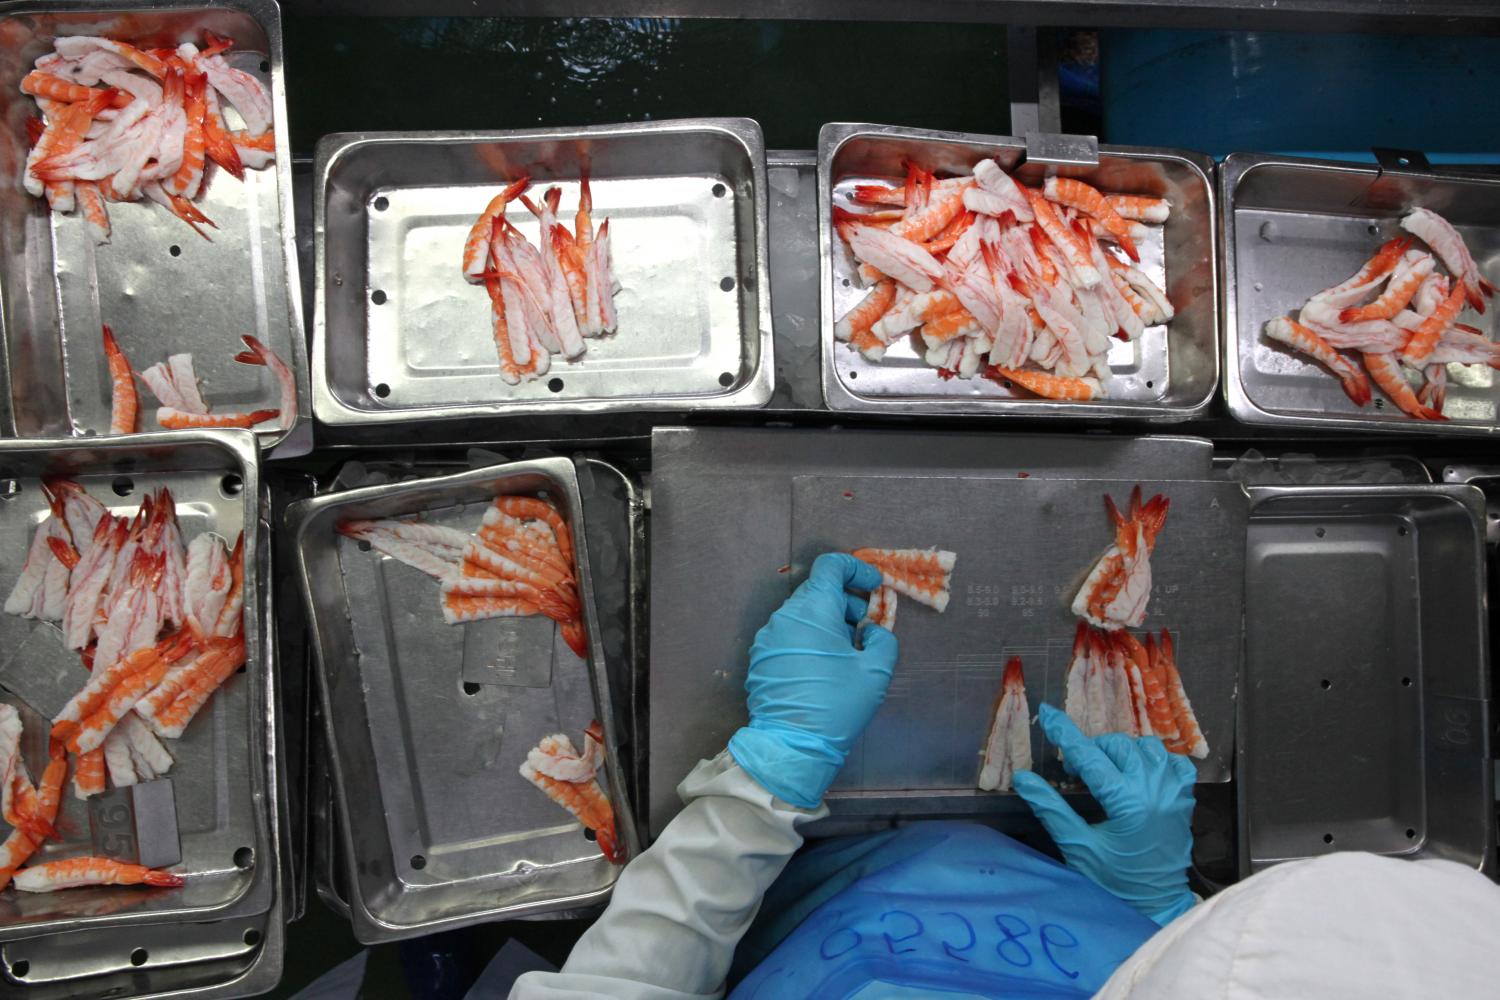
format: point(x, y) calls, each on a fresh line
point(952, 908)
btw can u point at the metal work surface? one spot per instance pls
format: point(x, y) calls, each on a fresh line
point(1024, 547)
point(440, 829)
point(401, 336)
point(1168, 374)
point(1364, 720)
point(160, 287)
point(721, 533)
point(218, 779)
point(1295, 227)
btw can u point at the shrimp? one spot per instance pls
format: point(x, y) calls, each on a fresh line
point(531, 508)
point(1411, 271)
point(174, 383)
point(207, 674)
point(260, 354)
point(584, 799)
point(1300, 338)
point(95, 214)
point(123, 401)
point(1077, 254)
point(915, 311)
point(1189, 739)
point(477, 245)
point(928, 221)
point(54, 88)
point(75, 872)
point(924, 575)
point(893, 255)
point(1050, 386)
point(999, 185)
point(1164, 722)
point(1007, 748)
point(174, 419)
point(1426, 336)
point(88, 775)
point(1117, 588)
point(882, 607)
point(1387, 372)
point(1088, 200)
point(88, 580)
point(472, 597)
point(1353, 289)
point(1438, 233)
point(857, 325)
point(1137, 208)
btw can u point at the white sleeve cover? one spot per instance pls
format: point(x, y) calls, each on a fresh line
point(680, 908)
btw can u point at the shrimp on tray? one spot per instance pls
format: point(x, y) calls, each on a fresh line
point(74, 873)
point(1115, 592)
point(924, 575)
point(1117, 685)
point(569, 779)
point(1007, 747)
point(174, 383)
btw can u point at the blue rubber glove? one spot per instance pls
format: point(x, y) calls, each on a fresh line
point(811, 691)
point(1141, 852)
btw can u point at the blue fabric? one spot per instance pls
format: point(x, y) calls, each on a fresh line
point(939, 907)
point(811, 689)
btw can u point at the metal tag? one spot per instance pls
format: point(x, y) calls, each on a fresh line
point(515, 652)
point(136, 824)
point(1062, 150)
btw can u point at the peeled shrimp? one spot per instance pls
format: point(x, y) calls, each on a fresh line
point(584, 799)
point(1117, 588)
point(1438, 233)
point(73, 873)
point(1007, 748)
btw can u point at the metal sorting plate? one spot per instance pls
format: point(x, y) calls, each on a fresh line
point(1169, 374)
point(1293, 227)
point(1364, 723)
point(729, 493)
point(440, 829)
point(1024, 547)
point(401, 336)
point(157, 284)
point(219, 779)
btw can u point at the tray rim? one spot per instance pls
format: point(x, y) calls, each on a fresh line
point(1471, 499)
point(838, 397)
point(333, 413)
point(1241, 407)
point(243, 447)
point(300, 519)
point(267, 13)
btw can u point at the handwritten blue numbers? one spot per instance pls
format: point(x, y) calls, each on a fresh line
point(901, 917)
point(1057, 936)
point(948, 948)
point(954, 935)
point(1010, 948)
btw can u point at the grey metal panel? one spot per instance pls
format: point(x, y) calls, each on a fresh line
point(162, 288)
point(721, 529)
point(1365, 718)
point(1293, 227)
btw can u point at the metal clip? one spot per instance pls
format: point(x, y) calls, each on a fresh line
point(136, 824)
point(1393, 188)
point(1408, 161)
point(1054, 149)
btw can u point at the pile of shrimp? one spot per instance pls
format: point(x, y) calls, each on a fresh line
point(120, 123)
point(174, 383)
point(924, 575)
point(1399, 315)
point(519, 563)
point(1007, 747)
point(1115, 684)
point(1024, 286)
point(159, 626)
point(542, 301)
point(570, 779)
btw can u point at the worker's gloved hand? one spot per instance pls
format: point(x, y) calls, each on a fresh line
point(1142, 851)
point(811, 691)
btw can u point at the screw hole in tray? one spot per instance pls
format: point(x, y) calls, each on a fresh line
point(1406, 682)
point(364, 546)
point(1325, 684)
point(175, 250)
point(1320, 532)
point(139, 957)
point(382, 203)
point(720, 190)
point(1150, 384)
point(377, 297)
point(244, 857)
point(589, 834)
point(854, 374)
point(727, 284)
point(1372, 228)
point(1411, 834)
point(382, 390)
point(19, 968)
point(265, 66)
point(470, 688)
point(846, 282)
point(123, 486)
point(418, 862)
point(555, 384)
point(1327, 838)
point(231, 485)
point(726, 379)
point(252, 937)
point(1401, 530)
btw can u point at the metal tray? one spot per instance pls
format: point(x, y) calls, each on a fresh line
point(1169, 374)
point(440, 831)
point(160, 287)
point(1293, 227)
point(399, 336)
point(220, 779)
point(730, 492)
point(1364, 723)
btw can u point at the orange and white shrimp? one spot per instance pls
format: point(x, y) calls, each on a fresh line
point(260, 354)
point(208, 674)
point(882, 607)
point(924, 575)
point(1438, 233)
point(174, 383)
point(1050, 386)
point(579, 793)
point(1354, 288)
point(175, 420)
point(1007, 747)
point(73, 873)
point(1189, 739)
point(1088, 200)
point(1116, 590)
point(477, 245)
point(123, 401)
point(532, 508)
point(895, 256)
point(1410, 272)
point(1138, 208)
point(89, 774)
point(474, 598)
point(1426, 336)
point(1298, 337)
point(1387, 372)
point(1077, 254)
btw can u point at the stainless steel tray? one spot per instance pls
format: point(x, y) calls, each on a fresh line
point(161, 287)
point(1169, 374)
point(730, 493)
point(1364, 723)
point(1293, 227)
point(439, 829)
point(391, 212)
point(220, 778)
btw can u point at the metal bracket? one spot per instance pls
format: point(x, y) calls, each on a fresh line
point(1405, 161)
point(1391, 190)
point(1057, 150)
point(1031, 60)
